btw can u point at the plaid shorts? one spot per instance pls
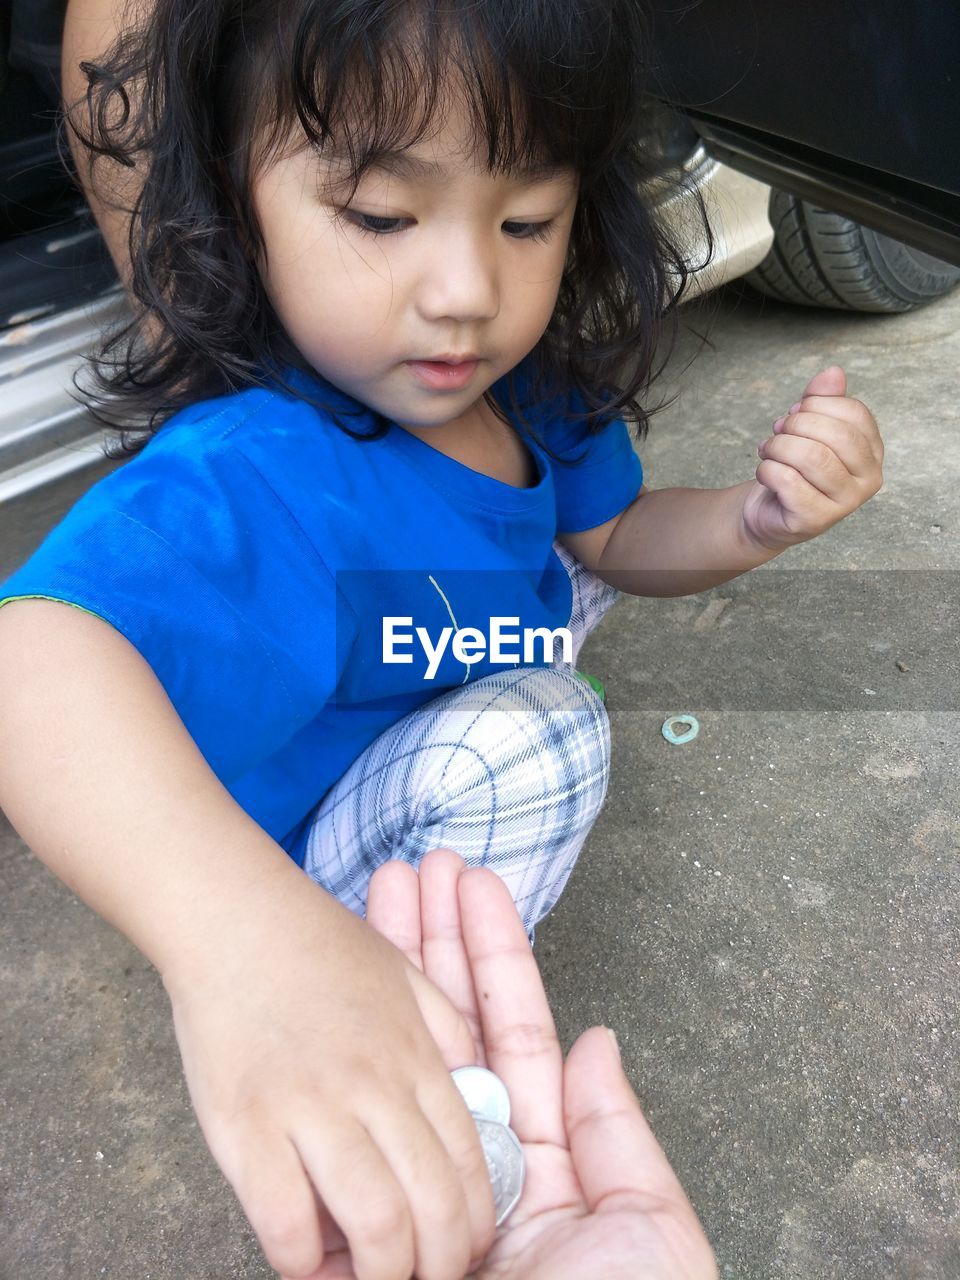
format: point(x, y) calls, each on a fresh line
point(510, 771)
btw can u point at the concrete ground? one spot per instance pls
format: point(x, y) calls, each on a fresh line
point(767, 915)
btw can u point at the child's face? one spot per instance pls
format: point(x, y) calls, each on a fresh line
point(455, 271)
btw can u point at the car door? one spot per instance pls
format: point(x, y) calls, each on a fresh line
point(854, 105)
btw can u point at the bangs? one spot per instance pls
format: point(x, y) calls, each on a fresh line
point(361, 81)
point(210, 92)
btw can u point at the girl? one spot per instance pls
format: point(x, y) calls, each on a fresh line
point(399, 289)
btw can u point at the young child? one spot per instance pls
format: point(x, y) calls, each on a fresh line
point(401, 289)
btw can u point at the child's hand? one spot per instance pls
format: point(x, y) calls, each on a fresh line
point(311, 1055)
point(822, 462)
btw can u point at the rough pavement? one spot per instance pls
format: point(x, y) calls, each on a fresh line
point(766, 915)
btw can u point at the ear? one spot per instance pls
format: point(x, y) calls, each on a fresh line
point(829, 382)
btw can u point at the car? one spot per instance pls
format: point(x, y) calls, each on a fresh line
point(814, 134)
point(844, 112)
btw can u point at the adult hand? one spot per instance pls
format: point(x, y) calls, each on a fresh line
point(600, 1198)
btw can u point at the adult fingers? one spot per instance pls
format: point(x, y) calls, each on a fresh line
point(617, 1159)
point(619, 1163)
point(393, 907)
point(444, 1021)
point(394, 910)
point(445, 960)
point(518, 1029)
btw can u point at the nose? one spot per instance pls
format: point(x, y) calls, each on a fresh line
point(458, 277)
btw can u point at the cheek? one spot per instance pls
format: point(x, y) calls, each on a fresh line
point(534, 290)
point(314, 271)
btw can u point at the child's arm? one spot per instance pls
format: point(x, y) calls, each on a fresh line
point(824, 462)
point(309, 1044)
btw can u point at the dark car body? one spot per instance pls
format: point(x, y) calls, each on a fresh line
point(855, 106)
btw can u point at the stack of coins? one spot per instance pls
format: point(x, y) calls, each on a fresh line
point(489, 1103)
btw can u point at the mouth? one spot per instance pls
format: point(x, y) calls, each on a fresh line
point(447, 373)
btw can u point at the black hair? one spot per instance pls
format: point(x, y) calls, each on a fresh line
point(201, 92)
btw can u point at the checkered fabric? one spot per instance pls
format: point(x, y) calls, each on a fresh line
point(510, 771)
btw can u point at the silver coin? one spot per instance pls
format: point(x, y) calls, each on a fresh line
point(484, 1093)
point(505, 1164)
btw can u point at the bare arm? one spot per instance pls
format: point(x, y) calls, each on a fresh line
point(316, 1056)
point(823, 460)
point(675, 542)
point(102, 780)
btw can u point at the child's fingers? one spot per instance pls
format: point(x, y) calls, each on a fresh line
point(445, 960)
point(443, 1199)
point(336, 1252)
point(408, 1188)
point(842, 439)
point(280, 1203)
point(449, 1117)
point(436, 1157)
point(816, 463)
point(518, 1029)
point(853, 412)
point(805, 504)
point(333, 1238)
point(336, 1266)
point(393, 908)
point(364, 1193)
point(831, 381)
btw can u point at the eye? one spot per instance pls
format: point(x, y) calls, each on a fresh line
point(372, 224)
point(376, 225)
point(530, 230)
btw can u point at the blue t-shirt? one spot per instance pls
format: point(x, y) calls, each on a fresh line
point(252, 549)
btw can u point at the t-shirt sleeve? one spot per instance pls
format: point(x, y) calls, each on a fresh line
point(199, 565)
point(599, 476)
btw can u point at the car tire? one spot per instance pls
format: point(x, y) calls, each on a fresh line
point(821, 259)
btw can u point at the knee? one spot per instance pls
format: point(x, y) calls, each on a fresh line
point(539, 728)
point(574, 732)
point(561, 704)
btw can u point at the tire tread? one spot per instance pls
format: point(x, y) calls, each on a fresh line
point(822, 259)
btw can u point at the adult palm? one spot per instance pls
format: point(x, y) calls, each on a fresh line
point(600, 1198)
